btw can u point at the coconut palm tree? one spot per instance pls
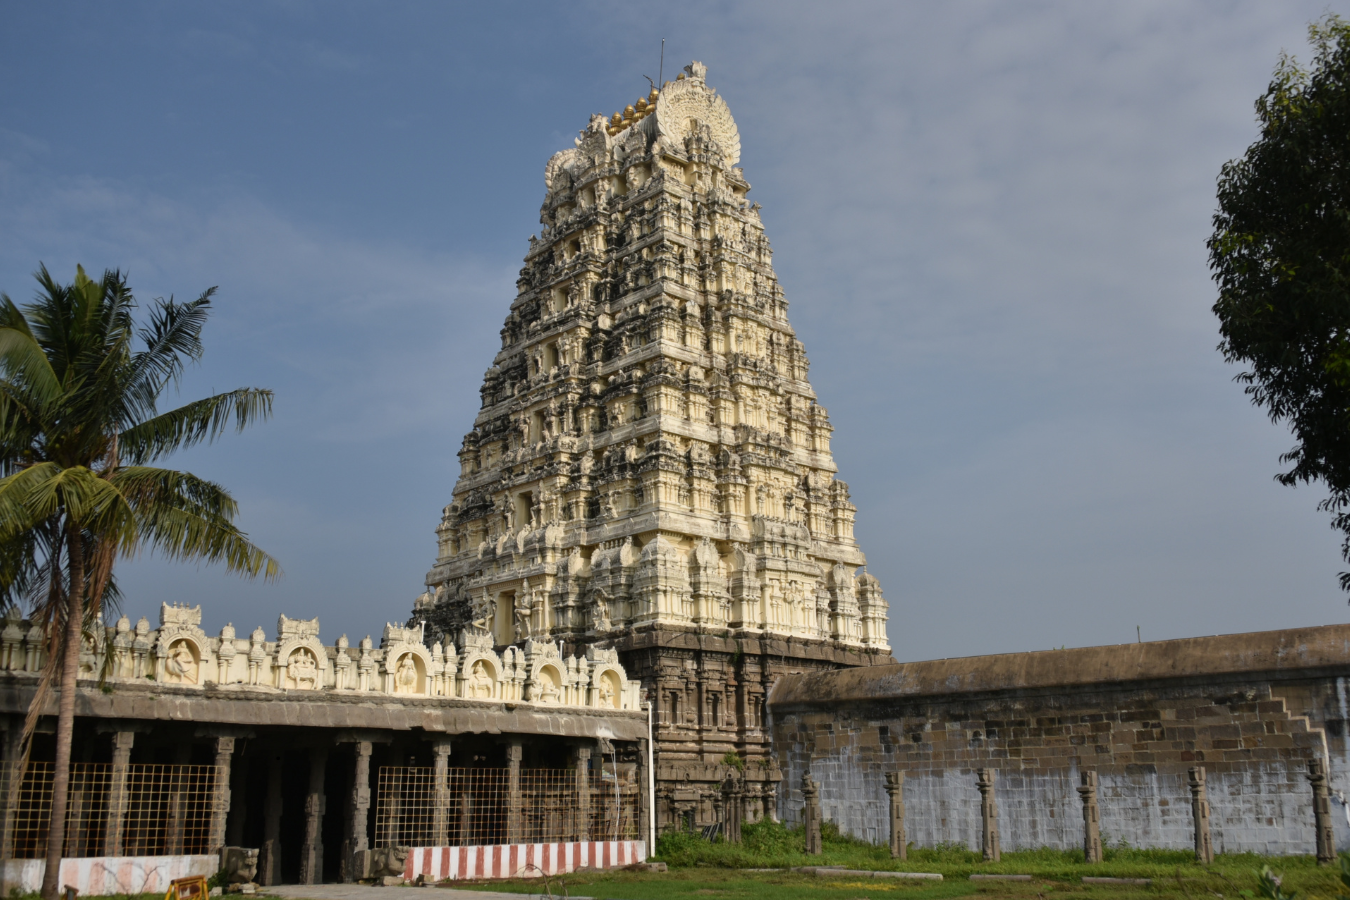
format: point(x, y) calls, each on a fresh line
point(80, 427)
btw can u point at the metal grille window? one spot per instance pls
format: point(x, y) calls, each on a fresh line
point(156, 810)
point(482, 806)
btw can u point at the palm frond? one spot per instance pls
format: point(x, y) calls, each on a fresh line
point(192, 423)
point(184, 517)
point(22, 357)
point(147, 487)
point(173, 335)
point(46, 490)
point(20, 568)
point(183, 535)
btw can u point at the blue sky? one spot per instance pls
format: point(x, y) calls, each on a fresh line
point(989, 219)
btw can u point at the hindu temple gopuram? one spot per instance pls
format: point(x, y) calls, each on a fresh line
point(650, 471)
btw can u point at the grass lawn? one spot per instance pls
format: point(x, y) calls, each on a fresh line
point(700, 870)
point(727, 884)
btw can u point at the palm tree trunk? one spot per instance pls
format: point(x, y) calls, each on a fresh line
point(65, 719)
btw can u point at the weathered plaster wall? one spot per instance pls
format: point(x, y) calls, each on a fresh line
point(1253, 709)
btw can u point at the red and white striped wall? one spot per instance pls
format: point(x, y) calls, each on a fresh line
point(520, 860)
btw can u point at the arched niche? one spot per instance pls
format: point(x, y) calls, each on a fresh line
point(183, 660)
point(301, 664)
point(546, 685)
point(480, 678)
point(407, 670)
point(607, 688)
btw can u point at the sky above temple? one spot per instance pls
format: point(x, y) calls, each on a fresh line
point(989, 221)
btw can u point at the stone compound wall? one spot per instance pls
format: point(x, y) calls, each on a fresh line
point(1252, 709)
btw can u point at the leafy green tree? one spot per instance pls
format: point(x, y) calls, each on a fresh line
point(79, 429)
point(1280, 254)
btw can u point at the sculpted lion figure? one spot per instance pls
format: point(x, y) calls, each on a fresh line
point(238, 865)
point(388, 862)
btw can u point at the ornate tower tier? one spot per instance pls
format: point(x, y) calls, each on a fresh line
point(650, 470)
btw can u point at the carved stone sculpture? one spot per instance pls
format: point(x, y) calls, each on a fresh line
point(181, 665)
point(388, 864)
point(238, 866)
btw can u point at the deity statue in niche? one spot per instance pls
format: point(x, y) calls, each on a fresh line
point(180, 666)
point(405, 678)
point(606, 692)
point(548, 692)
point(480, 683)
point(302, 670)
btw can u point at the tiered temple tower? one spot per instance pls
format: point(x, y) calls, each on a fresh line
point(650, 470)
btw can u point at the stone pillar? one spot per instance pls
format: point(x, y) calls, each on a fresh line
point(10, 779)
point(733, 791)
point(515, 750)
point(1326, 836)
point(1092, 826)
point(311, 852)
point(220, 795)
point(581, 756)
point(269, 860)
point(392, 809)
point(173, 837)
point(771, 795)
point(740, 802)
point(358, 814)
point(440, 784)
point(988, 815)
point(1204, 850)
point(895, 789)
point(644, 809)
point(117, 793)
point(811, 813)
point(465, 835)
point(234, 831)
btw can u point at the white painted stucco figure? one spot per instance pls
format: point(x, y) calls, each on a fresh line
point(181, 665)
point(405, 679)
point(303, 671)
point(480, 683)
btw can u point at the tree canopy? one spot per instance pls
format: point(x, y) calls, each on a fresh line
point(80, 427)
point(1280, 254)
